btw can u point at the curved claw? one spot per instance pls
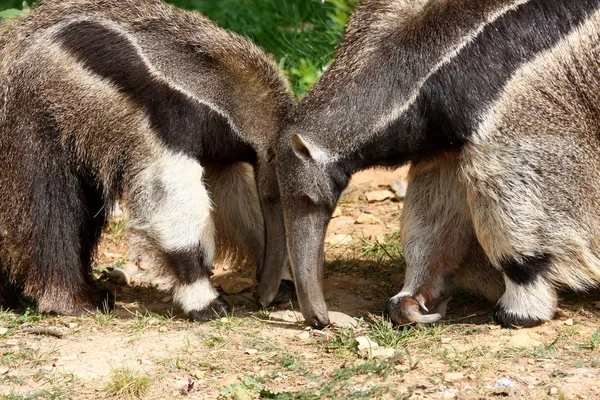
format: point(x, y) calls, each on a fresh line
point(407, 308)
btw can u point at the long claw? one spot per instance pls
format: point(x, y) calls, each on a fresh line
point(408, 308)
point(424, 318)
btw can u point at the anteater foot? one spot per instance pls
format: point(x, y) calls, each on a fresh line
point(215, 309)
point(508, 319)
point(403, 309)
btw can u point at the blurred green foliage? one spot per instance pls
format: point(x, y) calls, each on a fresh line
point(301, 34)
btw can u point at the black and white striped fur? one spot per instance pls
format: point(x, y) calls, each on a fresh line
point(414, 82)
point(135, 99)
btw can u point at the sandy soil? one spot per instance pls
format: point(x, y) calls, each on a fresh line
point(267, 354)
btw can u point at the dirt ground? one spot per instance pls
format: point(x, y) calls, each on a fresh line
point(145, 348)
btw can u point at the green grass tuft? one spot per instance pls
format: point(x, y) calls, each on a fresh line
point(127, 383)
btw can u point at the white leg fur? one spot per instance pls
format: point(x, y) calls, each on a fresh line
point(436, 226)
point(195, 296)
point(171, 206)
point(529, 302)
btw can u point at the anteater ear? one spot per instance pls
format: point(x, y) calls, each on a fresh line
point(306, 150)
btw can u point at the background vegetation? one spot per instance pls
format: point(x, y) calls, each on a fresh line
point(302, 34)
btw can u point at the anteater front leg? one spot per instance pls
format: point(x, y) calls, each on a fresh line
point(171, 217)
point(437, 236)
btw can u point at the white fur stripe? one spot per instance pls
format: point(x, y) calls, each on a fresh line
point(195, 296)
point(400, 109)
point(181, 217)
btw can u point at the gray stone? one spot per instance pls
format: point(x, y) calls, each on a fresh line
point(130, 268)
point(342, 320)
point(119, 276)
point(379, 195)
point(399, 187)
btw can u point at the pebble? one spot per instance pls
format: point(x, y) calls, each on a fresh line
point(286, 316)
point(523, 340)
point(445, 340)
point(130, 268)
point(342, 320)
point(454, 376)
point(119, 277)
point(228, 380)
point(383, 352)
point(3, 331)
point(72, 325)
point(379, 195)
point(553, 391)
point(569, 322)
point(3, 370)
point(399, 187)
point(199, 374)
point(364, 343)
point(250, 351)
point(236, 284)
point(368, 219)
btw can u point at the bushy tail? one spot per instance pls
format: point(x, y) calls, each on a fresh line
point(237, 214)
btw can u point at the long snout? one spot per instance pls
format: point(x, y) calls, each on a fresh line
point(305, 237)
point(275, 255)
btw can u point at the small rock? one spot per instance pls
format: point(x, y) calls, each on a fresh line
point(383, 352)
point(130, 268)
point(379, 195)
point(236, 285)
point(228, 380)
point(250, 351)
point(523, 340)
point(224, 319)
point(553, 391)
point(399, 187)
point(569, 322)
point(163, 329)
point(336, 213)
point(72, 325)
point(3, 370)
point(368, 219)
point(445, 340)
point(449, 395)
point(199, 374)
point(287, 316)
point(11, 343)
point(3, 331)
point(119, 277)
point(339, 239)
point(166, 299)
point(342, 320)
point(453, 377)
point(366, 346)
